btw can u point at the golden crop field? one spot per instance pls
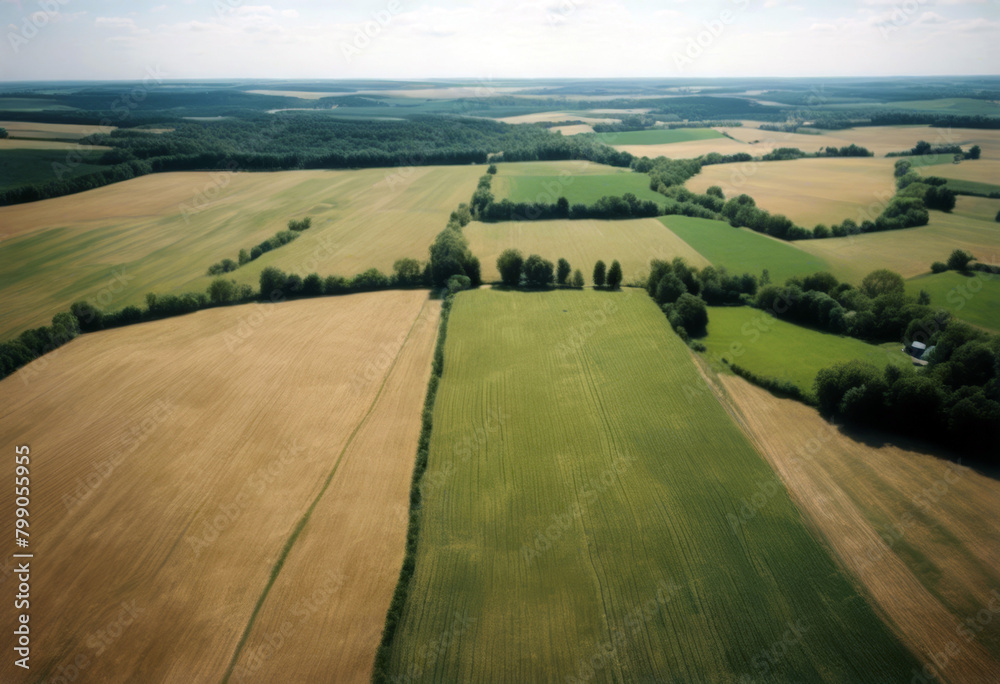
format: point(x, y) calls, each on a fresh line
point(978, 170)
point(694, 148)
point(879, 139)
point(573, 130)
point(918, 531)
point(544, 117)
point(31, 129)
point(911, 251)
point(178, 463)
point(23, 144)
point(160, 233)
point(582, 243)
point(808, 191)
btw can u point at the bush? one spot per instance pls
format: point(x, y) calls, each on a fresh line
point(538, 272)
point(510, 264)
point(299, 226)
point(834, 383)
point(312, 285)
point(615, 275)
point(689, 313)
point(600, 274)
point(222, 291)
point(272, 284)
point(370, 280)
point(457, 283)
point(563, 271)
point(939, 267)
point(959, 260)
point(780, 388)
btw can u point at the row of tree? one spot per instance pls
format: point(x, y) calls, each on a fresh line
point(295, 228)
point(274, 286)
point(536, 272)
point(925, 149)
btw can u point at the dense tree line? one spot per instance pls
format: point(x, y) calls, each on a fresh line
point(311, 142)
point(955, 400)
point(876, 311)
point(629, 122)
point(538, 273)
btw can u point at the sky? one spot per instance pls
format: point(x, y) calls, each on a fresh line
point(485, 40)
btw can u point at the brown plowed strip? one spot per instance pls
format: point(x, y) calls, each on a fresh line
point(929, 559)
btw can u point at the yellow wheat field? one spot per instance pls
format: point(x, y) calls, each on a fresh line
point(171, 463)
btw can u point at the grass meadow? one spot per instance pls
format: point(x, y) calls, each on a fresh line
point(584, 189)
point(761, 343)
point(741, 250)
point(659, 136)
point(974, 297)
point(591, 512)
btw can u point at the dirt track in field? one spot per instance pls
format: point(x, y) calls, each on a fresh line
point(920, 533)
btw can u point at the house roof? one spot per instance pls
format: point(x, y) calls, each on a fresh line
point(918, 345)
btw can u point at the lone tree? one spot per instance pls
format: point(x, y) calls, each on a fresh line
point(562, 272)
point(492, 170)
point(578, 279)
point(614, 275)
point(600, 274)
point(4, 133)
point(538, 271)
point(959, 260)
point(510, 264)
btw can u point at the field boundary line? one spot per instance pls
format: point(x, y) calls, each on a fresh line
point(304, 520)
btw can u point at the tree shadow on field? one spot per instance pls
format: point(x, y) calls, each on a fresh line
point(877, 439)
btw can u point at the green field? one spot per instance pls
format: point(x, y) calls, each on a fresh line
point(584, 189)
point(773, 348)
point(741, 250)
point(659, 136)
point(588, 504)
point(23, 167)
point(973, 298)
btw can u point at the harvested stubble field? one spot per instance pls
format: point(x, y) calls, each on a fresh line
point(919, 532)
point(911, 251)
point(160, 233)
point(808, 191)
point(583, 509)
point(693, 148)
point(879, 139)
point(755, 340)
point(31, 129)
point(174, 461)
point(633, 243)
point(659, 136)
